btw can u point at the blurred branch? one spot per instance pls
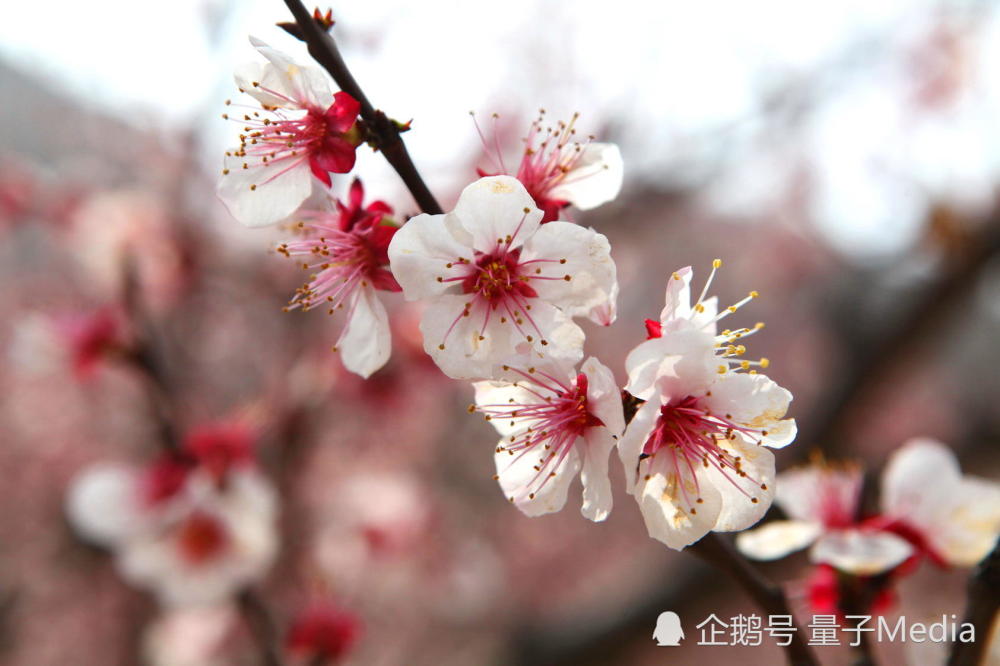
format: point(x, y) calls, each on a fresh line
point(382, 130)
point(981, 610)
point(879, 359)
point(718, 551)
point(263, 628)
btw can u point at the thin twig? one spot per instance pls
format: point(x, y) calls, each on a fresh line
point(980, 611)
point(381, 130)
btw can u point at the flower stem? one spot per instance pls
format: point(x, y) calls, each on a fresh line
point(382, 131)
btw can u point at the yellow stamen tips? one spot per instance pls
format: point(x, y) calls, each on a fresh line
point(253, 188)
point(676, 276)
point(722, 369)
point(754, 294)
point(764, 363)
point(717, 263)
point(334, 349)
point(699, 308)
point(496, 477)
point(759, 325)
point(471, 408)
point(745, 365)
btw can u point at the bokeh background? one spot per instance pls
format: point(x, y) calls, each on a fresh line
point(841, 158)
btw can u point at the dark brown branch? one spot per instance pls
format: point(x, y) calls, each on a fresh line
point(382, 131)
point(718, 551)
point(981, 610)
point(262, 627)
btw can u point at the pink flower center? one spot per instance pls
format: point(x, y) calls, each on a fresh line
point(201, 537)
point(499, 284)
point(688, 435)
point(553, 422)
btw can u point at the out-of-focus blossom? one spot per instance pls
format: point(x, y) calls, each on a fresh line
point(110, 230)
point(695, 453)
point(193, 527)
point(927, 509)
point(495, 279)
point(373, 517)
point(821, 502)
point(347, 252)
point(301, 131)
point(197, 636)
point(554, 423)
point(78, 341)
point(322, 634)
point(558, 170)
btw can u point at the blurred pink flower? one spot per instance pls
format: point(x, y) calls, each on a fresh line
point(322, 633)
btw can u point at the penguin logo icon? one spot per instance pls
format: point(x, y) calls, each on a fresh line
point(668, 630)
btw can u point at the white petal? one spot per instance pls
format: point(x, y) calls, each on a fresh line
point(739, 510)
point(819, 494)
point(920, 476)
point(266, 79)
point(968, 531)
point(588, 263)
point(274, 197)
point(680, 363)
point(631, 444)
point(519, 480)
point(777, 539)
point(751, 400)
point(667, 500)
point(366, 343)
point(419, 254)
point(474, 345)
point(594, 451)
point(304, 83)
point(596, 177)
point(677, 300)
point(493, 208)
point(603, 395)
point(858, 552)
point(103, 503)
point(505, 397)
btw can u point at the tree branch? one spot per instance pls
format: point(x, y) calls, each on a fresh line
point(382, 130)
point(980, 611)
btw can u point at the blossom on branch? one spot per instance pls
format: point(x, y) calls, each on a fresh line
point(194, 527)
point(300, 132)
point(498, 283)
point(695, 454)
point(558, 170)
point(554, 423)
point(928, 509)
point(347, 254)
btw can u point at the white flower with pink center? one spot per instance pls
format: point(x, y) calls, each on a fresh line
point(347, 255)
point(695, 453)
point(300, 132)
point(822, 504)
point(560, 170)
point(498, 282)
point(554, 423)
point(193, 527)
point(928, 508)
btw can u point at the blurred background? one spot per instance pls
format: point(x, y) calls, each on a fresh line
point(841, 158)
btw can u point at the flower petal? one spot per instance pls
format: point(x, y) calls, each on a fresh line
point(519, 481)
point(746, 497)
point(495, 208)
point(668, 506)
point(752, 400)
point(419, 254)
point(596, 177)
point(262, 194)
point(103, 503)
point(603, 396)
point(594, 451)
point(583, 255)
point(860, 552)
point(366, 342)
point(777, 539)
point(680, 364)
